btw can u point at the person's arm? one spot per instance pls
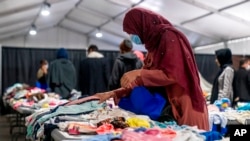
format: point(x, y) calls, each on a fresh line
point(148, 78)
point(227, 84)
point(39, 74)
point(151, 78)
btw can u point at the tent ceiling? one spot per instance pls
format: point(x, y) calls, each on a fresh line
point(202, 21)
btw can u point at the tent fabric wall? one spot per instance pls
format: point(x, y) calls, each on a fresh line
point(21, 64)
point(207, 67)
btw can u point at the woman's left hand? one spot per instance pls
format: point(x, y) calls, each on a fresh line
point(129, 77)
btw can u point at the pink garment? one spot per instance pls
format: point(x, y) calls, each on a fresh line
point(139, 54)
point(28, 104)
point(140, 136)
point(78, 128)
point(16, 105)
point(161, 132)
point(36, 90)
point(212, 107)
point(105, 128)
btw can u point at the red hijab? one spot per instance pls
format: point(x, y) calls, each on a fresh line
point(174, 56)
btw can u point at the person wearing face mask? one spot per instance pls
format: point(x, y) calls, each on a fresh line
point(169, 68)
point(42, 74)
point(223, 82)
point(241, 82)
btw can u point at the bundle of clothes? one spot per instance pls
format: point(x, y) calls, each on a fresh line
point(25, 96)
point(87, 117)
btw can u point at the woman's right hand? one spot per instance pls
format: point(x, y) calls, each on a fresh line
point(104, 96)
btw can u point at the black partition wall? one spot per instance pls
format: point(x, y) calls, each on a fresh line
point(207, 66)
point(20, 65)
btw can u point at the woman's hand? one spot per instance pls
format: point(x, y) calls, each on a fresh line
point(129, 77)
point(104, 96)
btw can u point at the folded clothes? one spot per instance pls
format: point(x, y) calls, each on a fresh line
point(77, 128)
point(117, 122)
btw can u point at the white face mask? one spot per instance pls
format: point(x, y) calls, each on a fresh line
point(248, 67)
point(46, 66)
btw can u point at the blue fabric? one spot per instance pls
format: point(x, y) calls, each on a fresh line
point(212, 135)
point(142, 102)
point(218, 128)
point(104, 137)
point(41, 86)
point(141, 129)
point(245, 107)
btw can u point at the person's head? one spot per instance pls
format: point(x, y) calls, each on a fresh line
point(62, 53)
point(244, 63)
point(44, 63)
point(144, 26)
point(223, 57)
point(92, 48)
point(126, 46)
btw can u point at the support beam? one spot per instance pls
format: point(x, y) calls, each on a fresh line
point(67, 14)
point(82, 34)
point(216, 11)
point(20, 9)
point(83, 23)
point(116, 16)
point(17, 21)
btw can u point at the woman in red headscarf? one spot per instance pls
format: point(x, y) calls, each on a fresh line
point(169, 63)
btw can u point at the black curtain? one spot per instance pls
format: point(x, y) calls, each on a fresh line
point(207, 66)
point(20, 65)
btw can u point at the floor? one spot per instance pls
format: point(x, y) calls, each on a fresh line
point(5, 130)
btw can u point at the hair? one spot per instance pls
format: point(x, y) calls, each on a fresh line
point(93, 48)
point(43, 62)
point(126, 46)
point(243, 61)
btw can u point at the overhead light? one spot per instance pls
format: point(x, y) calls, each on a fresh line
point(98, 34)
point(45, 9)
point(33, 30)
point(135, 1)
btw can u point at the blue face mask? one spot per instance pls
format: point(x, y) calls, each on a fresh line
point(136, 39)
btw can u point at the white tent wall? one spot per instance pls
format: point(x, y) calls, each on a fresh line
point(209, 49)
point(103, 45)
point(238, 47)
point(56, 37)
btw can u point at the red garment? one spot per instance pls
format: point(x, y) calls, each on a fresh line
point(169, 63)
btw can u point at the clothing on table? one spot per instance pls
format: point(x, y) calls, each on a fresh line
point(83, 108)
